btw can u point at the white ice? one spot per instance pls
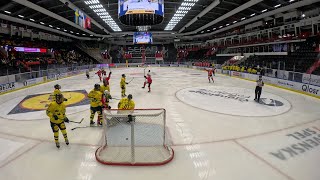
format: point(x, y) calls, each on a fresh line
point(207, 144)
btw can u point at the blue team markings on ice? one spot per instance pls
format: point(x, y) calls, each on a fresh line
point(233, 101)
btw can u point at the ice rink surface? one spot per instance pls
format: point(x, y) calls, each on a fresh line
point(217, 131)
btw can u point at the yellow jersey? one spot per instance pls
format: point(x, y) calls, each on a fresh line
point(95, 98)
point(103, 88)
point(56, 109)
point(126, 104)
point(123, 82)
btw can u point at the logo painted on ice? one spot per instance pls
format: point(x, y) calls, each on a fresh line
point(236, 96)
point(270, 102)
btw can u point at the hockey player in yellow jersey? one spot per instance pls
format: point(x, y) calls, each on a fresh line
point(123, 85)
point(57, 113)
point(95, 97)
point(105, 86)
point(56, 91)
point(127, 104)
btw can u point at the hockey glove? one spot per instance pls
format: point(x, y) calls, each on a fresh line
point(127, 83)
point(109, 107)
point(65, 99)
point(110, 72)
point(55, 117)
point(66, 120)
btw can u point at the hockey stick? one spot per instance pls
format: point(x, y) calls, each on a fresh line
point(144, 71)
point(131, 80)
point(77, 122)
point(84, 127)
point(116, 98)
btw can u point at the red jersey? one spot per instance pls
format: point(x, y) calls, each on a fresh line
point(210, 72)
point(149, 80)
point(99, 73)
point(104, 72)
point(107, 79)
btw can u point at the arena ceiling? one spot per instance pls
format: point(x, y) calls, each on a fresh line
point(206, 17)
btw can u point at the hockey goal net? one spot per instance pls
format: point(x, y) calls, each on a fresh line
point(135, 138)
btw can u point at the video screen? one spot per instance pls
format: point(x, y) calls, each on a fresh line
point(141, 7)
point(26, 49)
point(142, 38)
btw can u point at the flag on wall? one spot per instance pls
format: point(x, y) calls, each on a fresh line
point(81, 19)
point(76, 17)
point(88, 23)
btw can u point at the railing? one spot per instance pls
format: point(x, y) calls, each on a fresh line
point(52, 71)
point(293, 76)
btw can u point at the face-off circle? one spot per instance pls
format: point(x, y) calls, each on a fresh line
point(234, 101)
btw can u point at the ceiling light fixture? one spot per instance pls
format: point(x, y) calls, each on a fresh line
point(32, 19)
point(8, 12)
point(184, 8)
point(277, 5)
point(264, 10)
point(42, 23)
point(21, 16)
point(98, 8)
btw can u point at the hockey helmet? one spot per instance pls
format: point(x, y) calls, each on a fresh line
point(130, 96)
point(57, 86)
point(97, 86)
point(106, 93)
point(123, 75)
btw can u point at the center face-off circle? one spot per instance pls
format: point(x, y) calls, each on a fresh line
point(41, 102)
point(233, 101)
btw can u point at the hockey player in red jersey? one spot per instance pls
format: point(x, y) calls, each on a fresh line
point(106, 81)
point(149, 81)
point(99, 73)
point(104, 73)
point(210, 74)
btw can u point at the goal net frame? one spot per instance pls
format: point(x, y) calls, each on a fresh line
point(130, 115)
